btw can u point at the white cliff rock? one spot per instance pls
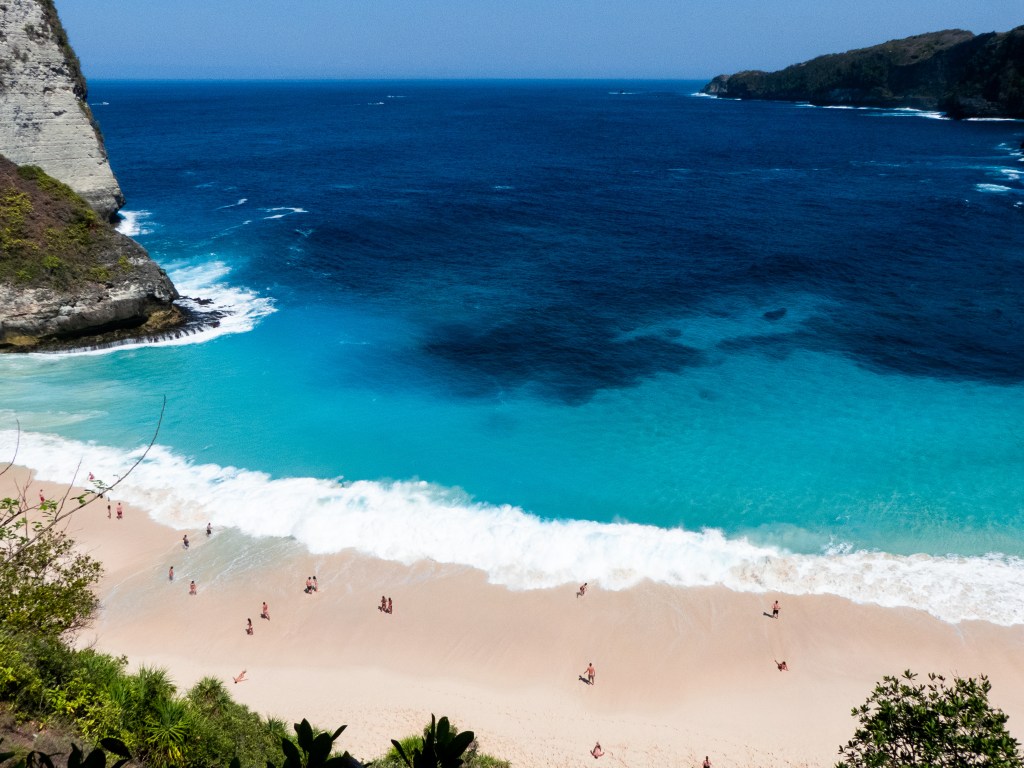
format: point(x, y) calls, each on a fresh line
point(44, 118)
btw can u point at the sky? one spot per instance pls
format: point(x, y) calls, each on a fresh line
point(383, 39)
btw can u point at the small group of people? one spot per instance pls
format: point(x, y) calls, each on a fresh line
point(385, 605)
point(120, 511)
point(311, 586)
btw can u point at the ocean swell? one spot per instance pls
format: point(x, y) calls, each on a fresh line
point(410, 520)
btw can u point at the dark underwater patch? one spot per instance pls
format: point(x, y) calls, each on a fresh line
point(566, 362)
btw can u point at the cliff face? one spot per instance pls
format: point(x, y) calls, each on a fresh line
point(44, 117)
point(67, 278)
point(65, 273)
point(955, 71)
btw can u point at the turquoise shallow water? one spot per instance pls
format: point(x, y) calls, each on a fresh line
point(547, 354)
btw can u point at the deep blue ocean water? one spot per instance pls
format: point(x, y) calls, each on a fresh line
point(497, 323)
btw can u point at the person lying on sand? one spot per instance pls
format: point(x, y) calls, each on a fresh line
point(782, 665)
point(597, 751)
point(240, 678)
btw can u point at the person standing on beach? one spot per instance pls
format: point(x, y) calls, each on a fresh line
point(583, 590)
point(309, 585)
point(383, 607)
point(108, 511)
point(248, 627)
point(184, 541)
point(170, 574)
point(192, 587)
point(775, 609)
point(209, 529)
point(265, 613)
point(316, 587)
point(42, 498)
point(390, 608)
point(707, 762)
point(591, 673)
point(120, 511)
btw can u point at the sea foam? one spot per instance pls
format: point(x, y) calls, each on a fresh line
point(134, 223)
point(411, 520)
point(239, 309)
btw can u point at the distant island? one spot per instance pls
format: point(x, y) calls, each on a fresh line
point(954, 71)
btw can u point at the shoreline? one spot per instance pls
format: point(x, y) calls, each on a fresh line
point(681, 672)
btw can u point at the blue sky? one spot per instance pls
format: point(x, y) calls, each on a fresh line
point(686, 39)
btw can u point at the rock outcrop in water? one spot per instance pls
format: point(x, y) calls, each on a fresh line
point(962, 74)
point(65, 273)
point(67, 278)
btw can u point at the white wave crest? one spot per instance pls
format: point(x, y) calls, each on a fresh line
point(413, 520)
point(134, 223)
point(241, 201)
point(992, 188)
point(240, 309)
point(287, 212)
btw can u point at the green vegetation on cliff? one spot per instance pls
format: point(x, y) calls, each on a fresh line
point(49, 235)
point(963, 74)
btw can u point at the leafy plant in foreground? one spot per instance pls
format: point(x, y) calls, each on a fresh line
point(442, 746)
point(907, 724)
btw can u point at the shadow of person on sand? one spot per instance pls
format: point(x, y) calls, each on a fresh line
point(584, 680)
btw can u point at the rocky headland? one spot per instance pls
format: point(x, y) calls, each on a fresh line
point(67, 277)
point(954, 71)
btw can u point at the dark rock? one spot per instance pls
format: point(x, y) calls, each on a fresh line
point(963, 74)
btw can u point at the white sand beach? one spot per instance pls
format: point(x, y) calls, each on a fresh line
point(680, 673)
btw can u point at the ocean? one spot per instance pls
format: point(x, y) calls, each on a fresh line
point(570, 331)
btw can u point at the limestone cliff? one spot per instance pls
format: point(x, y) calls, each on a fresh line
point(44, 117)
point(963, 74)
point(67, 277)
point(65, 273)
